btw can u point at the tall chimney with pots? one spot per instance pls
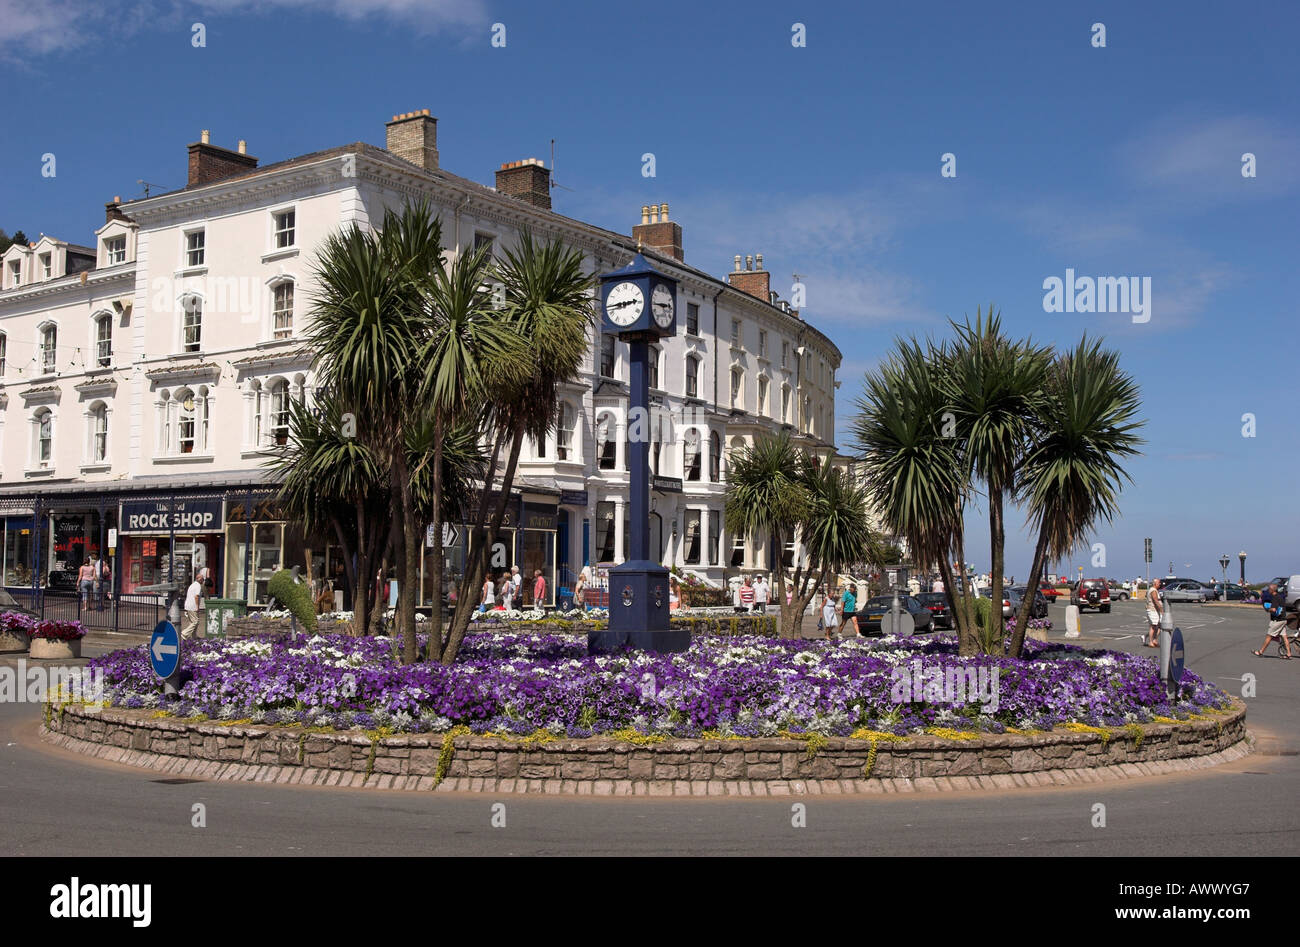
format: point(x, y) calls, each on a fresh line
point(528, 180)
point(656, 232)
point(413, 137)
point(755, 281)
point(113, 211)
point(209, 163)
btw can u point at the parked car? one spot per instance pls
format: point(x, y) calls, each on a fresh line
point(1049, 590)
point(1118, 593)
point(1184, 590)
point(1091, 593)
point(870, 614)
point(937, 604)
point(1017, 596)
point(9, 604)
point(1236, 593)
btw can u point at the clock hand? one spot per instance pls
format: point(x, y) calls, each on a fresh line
point(629, 302)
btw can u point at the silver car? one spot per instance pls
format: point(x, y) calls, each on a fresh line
point(1184, 590)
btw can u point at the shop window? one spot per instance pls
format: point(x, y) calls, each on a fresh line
point(18, 553)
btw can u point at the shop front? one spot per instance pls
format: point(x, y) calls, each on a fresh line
point(527, 538)
point(260, 540)
point(170, 540)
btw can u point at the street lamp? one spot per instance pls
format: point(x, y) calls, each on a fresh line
point(1223, 561)
point(1242, 556)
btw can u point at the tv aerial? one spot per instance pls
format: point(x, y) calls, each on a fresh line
point(555, 183)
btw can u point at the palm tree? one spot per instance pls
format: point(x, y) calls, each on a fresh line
point(992, 386)
point(1084, 425)
point(368, 330)
point(549, 303)
point(767, 498)
point(471, 350)
point(332, 484)
point(913, 464)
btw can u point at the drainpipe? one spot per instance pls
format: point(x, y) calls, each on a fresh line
point(715, 349)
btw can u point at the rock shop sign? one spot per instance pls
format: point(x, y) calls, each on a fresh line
point(162, 516)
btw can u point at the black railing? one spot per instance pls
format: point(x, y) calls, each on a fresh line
point(138, 613)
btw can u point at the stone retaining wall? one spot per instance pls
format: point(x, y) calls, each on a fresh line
point(424, 760)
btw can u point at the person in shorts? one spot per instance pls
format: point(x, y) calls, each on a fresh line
point(193, 603)
point(1155, 609)
point(1277, 623)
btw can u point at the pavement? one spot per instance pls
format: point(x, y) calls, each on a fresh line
point(55, 802)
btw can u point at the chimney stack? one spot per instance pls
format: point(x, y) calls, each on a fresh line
point(209, 163)
point(413, 137)
point(528, 180)
point(755, 281)
point(658, 233)
point(112, 211)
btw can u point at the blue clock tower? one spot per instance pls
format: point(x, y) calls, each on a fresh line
point(639, 304)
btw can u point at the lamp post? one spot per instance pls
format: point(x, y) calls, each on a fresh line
point(1242, 556)
point(1223, 561)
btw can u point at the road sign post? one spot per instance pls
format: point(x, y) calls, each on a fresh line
point(165, 656)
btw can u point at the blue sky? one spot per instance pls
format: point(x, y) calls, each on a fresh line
point(1122, 161)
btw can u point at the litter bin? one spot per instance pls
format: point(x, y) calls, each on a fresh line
point(219, 612)
point(565, 600)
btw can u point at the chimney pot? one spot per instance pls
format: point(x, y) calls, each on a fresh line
point(759, 258)
point(749, 261)
point(737, 262)
point(204, 136)
point(663, 212)
point(645, 214)
point(243, 147)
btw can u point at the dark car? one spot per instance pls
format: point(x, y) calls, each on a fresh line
point(937, 604)
point(1017, 596)
point(9, 604)
point(870, 614)
point(1236, 593)
point(1091, 593)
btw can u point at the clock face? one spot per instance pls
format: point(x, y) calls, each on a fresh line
point(624, 303)
point(661, 303)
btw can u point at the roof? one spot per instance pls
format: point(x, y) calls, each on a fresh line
point(262, 478)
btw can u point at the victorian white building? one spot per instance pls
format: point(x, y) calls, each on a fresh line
point(145, 380)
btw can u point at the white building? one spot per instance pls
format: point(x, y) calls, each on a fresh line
point(144, 381)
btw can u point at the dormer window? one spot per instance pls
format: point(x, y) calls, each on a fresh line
point(194, 248)
point(115, 250)
point(47, 267)
point(285, 226)
point(15, 273)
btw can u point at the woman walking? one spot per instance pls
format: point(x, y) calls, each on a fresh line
point(1155, 611)
point(488, 595)
point(580, 592)
point(830, 616)
point(849, 608)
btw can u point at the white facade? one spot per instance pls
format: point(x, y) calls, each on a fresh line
point(203, 295)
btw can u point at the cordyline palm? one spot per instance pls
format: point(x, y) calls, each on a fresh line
point(549, 304)
point(993, 386)
point(767, 499)
point(471, 350)
point(912, 463)
point(835, 532)
point(331, 483)
point(368, 330)
point(1085, 425)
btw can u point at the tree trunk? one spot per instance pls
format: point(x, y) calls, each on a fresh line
point(967, 639)
point(801, 599)
point(433, 651)
point(408, 560)
point(997, 549)
point(1026, 607)
point(349, 570)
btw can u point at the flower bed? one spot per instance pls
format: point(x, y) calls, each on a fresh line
point(58, 630)
point(16, 630)
point(524, 683)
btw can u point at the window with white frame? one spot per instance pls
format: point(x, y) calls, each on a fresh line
point(49, 346)
point(115, 250)
point(785, 404)
point(280, 413)
point(4, 348)
point(762, 394)
point(97, 448)
point(43, 432)
point(653, 365)
point(282, 310)
point(15, 272)
point(692, 318)
point(186, 426)
point(104, 340)
point(715, 536)
point(737, 388)
point(184, 422)
point(691, 455)
point(191, 324)
point(807, 414)
point(735, 333)
point(762, 343)
point(484, 240)
point(564, 424)
point(284, 222)
point(692, 547)
point(607, 356)
point(785, 354)
point(605, 438)
point(715, 457)
point(47, 267)
point(195, 248)
point(692, 376)
point(656, 446)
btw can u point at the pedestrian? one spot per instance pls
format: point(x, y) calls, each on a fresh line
point(488, 596)
point(936, 585)
point(580, 591)
point(1155, 611)
point(517, 586)
point(1275, 603)
point(830, 617)
point(104, 586)
point(193, 602)
point(86, 583)
point(760, 595)
point(507, 592)
point(849, 608)
point(674, 594)
point(539, 589)
point(745, 596)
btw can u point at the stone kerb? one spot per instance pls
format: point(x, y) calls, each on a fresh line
point(290, 754)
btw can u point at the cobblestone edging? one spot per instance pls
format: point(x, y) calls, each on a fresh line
point(606, 766)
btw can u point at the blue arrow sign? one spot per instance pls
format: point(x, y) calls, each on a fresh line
point(165, 649)
point(1176, 656)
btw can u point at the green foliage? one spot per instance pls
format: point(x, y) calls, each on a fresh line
point(296, 598)
point(988, 629)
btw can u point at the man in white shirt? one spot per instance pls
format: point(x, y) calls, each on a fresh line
point(760, 594)
point(193, 602)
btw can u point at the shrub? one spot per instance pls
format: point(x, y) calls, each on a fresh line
point(296, 598)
